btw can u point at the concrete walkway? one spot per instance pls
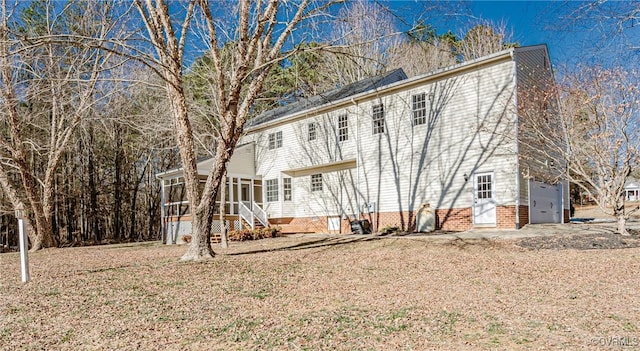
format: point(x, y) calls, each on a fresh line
point(528, 231)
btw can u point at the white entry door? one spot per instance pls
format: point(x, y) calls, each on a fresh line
point(484, 204)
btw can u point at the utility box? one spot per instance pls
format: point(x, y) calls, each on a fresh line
point(360, 227)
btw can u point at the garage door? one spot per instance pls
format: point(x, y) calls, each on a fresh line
point(545, 203)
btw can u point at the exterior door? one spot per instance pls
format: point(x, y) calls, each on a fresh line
point(245, 191)
point(484, 204)
point(545, 203)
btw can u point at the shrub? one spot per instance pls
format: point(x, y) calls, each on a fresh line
point(389, 230)
point(256, 234)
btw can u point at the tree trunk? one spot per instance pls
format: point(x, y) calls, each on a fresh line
point(201, 214)
point(619, 213)
point(94, 223)
point(622, 225)
point(223, 222)
point(117, 191)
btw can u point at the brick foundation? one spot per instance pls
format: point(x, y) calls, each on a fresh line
point(454, 219)
point(317, 224)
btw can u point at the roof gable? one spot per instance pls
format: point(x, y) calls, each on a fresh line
point(632, 183)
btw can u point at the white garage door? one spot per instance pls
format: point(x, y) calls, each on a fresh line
point(545, 203)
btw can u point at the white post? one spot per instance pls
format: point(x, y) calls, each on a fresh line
point(24, 243)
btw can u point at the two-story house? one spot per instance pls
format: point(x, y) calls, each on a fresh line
point(380, 148)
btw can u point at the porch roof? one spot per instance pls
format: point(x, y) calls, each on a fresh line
point(242, 164)
point(322, 168)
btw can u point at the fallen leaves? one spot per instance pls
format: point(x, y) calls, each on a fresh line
point(314, 292)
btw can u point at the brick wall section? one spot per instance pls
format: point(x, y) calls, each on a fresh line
point(305, 225)
point(455, 219)
point(524, 215)
point(506, 217)
point(395, 219)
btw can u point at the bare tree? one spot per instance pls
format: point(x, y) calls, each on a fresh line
point(598, 137)
point(363, 35)
point(483, 39)
point(48, 86)
point(612, 25)
point(417, 57)
point(258, 35)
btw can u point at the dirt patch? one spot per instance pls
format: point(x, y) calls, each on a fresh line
point(604, 240)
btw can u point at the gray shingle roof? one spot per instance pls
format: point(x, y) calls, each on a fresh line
point(332, 95)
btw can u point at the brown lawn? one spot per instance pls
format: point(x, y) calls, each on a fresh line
point(321, 293)
point(593, 211)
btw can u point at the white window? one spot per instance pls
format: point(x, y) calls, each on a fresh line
point(311, 131)
point(316, 182)
point(378, 119)
point(286, 187)
point(343, 128)
point(484, 184)
point(419, 109)
point(272, 190)
point(275, 140)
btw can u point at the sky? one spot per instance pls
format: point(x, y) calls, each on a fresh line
point(532, 23)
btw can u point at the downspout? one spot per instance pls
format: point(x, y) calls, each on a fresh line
point(517, 148)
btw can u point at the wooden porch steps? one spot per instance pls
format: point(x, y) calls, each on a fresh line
point(256, 225)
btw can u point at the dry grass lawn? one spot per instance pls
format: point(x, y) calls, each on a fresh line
point(323, 293)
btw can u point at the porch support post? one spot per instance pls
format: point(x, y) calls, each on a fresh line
point(231, 197)
point(251, 197)
point(239, 189)
point(163, 224)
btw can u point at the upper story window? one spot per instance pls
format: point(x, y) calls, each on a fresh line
point(419, 109)
point(275, 140)
point(286, 189)
point(316, 182)
point(311, 131)
point(378, 118)
point(272, 190)
point(343, 128)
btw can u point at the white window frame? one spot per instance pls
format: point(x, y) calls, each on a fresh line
point(271, 190)
point(377, 118)
point(316, 182)
point(275, 140)
point(343, 127)
point(419, 109)
point(287, 194)
point(312, 131)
